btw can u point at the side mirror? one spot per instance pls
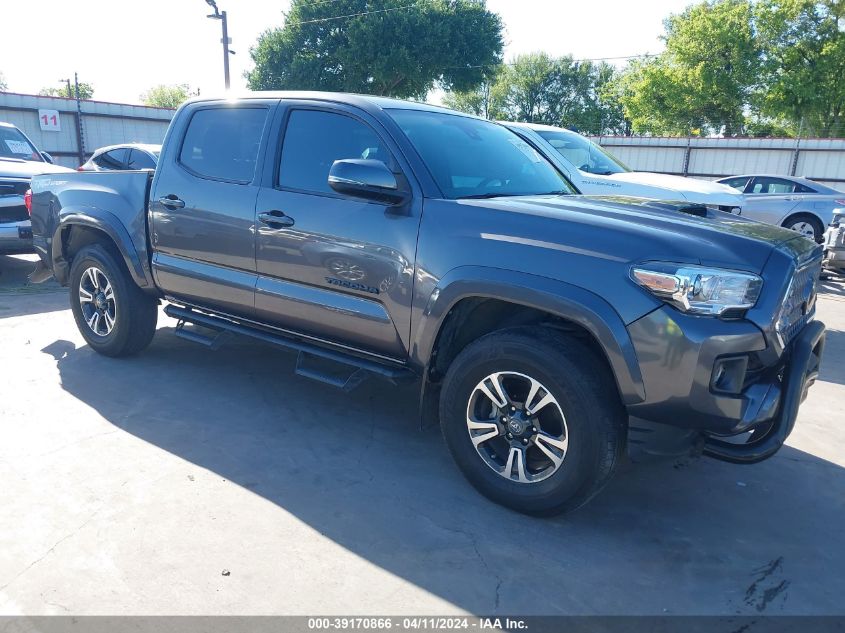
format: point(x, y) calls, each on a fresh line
point(366, 178)
point(47, 157)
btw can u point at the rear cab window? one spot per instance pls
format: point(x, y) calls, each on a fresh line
point(221, 143)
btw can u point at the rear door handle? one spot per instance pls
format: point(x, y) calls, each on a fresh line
point(172, 202)
point(276, 219)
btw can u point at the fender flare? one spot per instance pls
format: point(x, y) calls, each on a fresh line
point(567, 301)
point(108, 223)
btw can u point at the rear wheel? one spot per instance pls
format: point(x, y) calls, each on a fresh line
point(114, 316)
point(533, 419)
point(807, 225)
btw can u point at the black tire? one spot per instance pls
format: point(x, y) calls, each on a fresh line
point(579, 380)
point(813, 221)
point(135, 313)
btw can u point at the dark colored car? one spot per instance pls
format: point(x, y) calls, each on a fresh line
point(19, 161)
point(126, 157)
point(402, 240)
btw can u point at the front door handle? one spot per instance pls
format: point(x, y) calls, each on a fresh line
point(275, 219)
point(172, 202)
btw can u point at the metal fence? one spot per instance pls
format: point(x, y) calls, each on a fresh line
point(71, 132)
point(820, 159)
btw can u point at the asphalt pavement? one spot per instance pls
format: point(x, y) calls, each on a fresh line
point(189, 481)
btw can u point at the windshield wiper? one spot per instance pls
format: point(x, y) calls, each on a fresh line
point(485, 196)
point(561, 192)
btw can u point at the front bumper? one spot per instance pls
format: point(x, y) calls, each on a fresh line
point(16, 237)
point(834, 245)
point(720, 378)
point(800, 371)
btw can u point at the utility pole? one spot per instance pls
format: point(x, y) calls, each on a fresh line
point(225, 41)
point(79, 133)
point(221, 15)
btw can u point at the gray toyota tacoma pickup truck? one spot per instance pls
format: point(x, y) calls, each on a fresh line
point(381, 237)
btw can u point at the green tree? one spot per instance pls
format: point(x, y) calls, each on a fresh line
point(164, 96)
point(608, 103)
point(704, 79)
point(86, 91)
point(384, 47)
point(478, 101)
point(804, 64)
point(555, 91)
point(3, 85)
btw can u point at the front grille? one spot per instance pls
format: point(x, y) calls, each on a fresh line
point(13, 187)
point(12, 208)
point(12, 213)
point(799, 304)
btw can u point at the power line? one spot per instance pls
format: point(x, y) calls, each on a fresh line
point(351, 15)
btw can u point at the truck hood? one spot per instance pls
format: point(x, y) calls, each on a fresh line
point(25, 169)
point(634, 230)
point(666, 186)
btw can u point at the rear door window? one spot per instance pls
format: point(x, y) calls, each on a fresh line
point(222, 143)
point(139, 159)
point(115, 159)
point(772, 186)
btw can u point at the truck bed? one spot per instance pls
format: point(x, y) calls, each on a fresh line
point(113, 201)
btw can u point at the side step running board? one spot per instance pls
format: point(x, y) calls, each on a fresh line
point(309, 353)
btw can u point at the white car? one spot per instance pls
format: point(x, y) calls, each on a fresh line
point(595, 171)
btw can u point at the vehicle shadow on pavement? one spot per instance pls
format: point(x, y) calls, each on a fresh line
point(683, 536)
point(833, 286)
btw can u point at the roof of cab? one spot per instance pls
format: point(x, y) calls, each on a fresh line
point(360, 100)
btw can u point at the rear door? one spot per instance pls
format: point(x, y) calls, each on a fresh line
point(202, 205)
point(333, 267)
point(769, 199)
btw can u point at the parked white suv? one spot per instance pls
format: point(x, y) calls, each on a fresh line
point(595, 171)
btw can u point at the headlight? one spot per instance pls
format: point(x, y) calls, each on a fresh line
point(697, 289)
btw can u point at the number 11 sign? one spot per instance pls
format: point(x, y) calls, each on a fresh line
point(49, 121)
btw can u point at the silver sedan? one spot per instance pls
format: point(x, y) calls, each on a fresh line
point(796, 203)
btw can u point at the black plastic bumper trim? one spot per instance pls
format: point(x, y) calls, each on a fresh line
point(801, 371)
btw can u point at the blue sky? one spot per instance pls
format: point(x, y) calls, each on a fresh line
point(123, 47)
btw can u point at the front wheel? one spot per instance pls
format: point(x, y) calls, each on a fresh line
point(533, 419)
point(114, 316)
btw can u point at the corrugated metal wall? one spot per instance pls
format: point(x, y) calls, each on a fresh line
point(102, 124)
point(818, 159)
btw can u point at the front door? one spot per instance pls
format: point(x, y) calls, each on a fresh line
point(203, 207)
point(330, 266)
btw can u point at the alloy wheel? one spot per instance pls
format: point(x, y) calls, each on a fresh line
point(96, 298)
point(804, 228)
point(517, 427)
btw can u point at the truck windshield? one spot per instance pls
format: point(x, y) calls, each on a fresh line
point(583, 153)
point(472, 158)
point(13, 144)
